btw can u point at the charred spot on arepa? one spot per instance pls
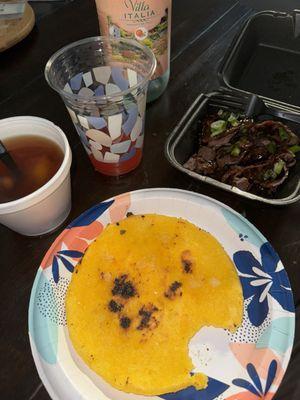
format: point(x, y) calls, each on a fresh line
point(124, 287)
point(187, 261)
point(114, 306)
point(148, 320)
point(173, 290)
point(125, 322)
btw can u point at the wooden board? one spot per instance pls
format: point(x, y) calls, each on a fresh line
point(14, 30)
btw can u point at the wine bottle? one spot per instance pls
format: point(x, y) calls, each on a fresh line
point(148, 22)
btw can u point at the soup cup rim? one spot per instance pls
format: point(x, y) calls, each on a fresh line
point(52, 184)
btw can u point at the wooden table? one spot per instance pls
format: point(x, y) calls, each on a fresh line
point(201, 33)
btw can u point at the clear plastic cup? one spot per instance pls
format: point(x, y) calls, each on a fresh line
point(103, 83)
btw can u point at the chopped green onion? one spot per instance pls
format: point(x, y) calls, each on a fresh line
point(233, 120)
point(269, 175)
point(278, 167)
point(283, 134)
point(223, 114)
point(271, 147)
point(235, 151)
point(272, 174)
point(218, 127)
point(294, 149)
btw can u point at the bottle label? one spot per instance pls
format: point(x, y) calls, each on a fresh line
point(146, 21)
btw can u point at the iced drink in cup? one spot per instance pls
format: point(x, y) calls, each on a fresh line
point(103, 83)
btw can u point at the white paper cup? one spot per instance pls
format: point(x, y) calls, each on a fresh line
point(45, 209)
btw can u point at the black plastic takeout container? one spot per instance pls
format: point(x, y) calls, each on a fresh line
point(264, 59)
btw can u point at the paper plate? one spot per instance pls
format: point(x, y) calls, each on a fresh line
point(247, 365)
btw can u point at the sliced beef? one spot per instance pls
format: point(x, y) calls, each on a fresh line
point(207, 153)
point(241, 183)
point(223, 139)
point(202, 162)
point(245, 154)
point(191, 163)
point(289, 158)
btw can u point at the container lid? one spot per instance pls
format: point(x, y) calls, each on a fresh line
point(264, 58)
point(17, 25)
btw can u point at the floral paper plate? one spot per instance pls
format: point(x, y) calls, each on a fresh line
point(247, 365)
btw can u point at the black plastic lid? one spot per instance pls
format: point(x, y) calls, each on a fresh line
point(264, 58)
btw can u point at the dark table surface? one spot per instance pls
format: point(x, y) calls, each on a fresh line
point(201, 32)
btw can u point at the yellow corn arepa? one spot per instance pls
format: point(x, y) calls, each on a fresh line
point(143, 289)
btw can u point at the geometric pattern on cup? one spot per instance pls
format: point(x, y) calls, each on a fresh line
point(97, 154)
point(86, 93)
point(111, 88)
point(141, 104)
point(115, 125)
point(102, 74)
point(137, 129)
point(67, 88)
point(103, 80)
point(76, 81)
point(97, 122)
point(111, 158)
point(110, 131)
point(99, 137)
point(72, 115)
point(128, 156)
point(96, 145)
point(88, 80)
point(130, 121)
point(99, 91)
point(132, 77)
point(83, 121)
point(139, 142)
point(119, 79)
point(121, 147)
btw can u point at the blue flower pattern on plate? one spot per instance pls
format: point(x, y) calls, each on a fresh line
point(262, 280)
point(63, 255)
point(255, 386)
point(214, 389)
point(91, 215)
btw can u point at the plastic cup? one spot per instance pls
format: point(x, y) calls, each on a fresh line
point(47, 208)
point(103, 83)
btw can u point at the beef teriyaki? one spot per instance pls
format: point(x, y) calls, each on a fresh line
point(254, 157)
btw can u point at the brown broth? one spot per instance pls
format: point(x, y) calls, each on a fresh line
point(38, 159)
